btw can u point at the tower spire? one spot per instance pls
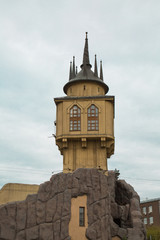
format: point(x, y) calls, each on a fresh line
point(101, 71)
point(70, 71)
point(95, 67)
point(74, 70)
point(86, 53)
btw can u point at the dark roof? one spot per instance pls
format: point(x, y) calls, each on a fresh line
point(86, 74)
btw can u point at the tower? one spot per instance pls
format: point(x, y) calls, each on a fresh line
point(85, 118)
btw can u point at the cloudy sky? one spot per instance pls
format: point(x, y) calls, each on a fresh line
point(37, 41)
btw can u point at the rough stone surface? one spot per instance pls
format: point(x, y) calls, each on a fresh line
point(113, 209)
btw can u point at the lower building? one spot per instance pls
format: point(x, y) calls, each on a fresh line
point(11, 192)
point(151, 212)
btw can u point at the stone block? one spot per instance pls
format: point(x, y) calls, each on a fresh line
point(91, 233)
point(90, 214)
point(11, 210)
point(21, 216)
point(64, 227)
point(103, 186)
point(66, 210)
point(54, 185)
point(61, 182)
point(3, 211)
point(32, 233)
point(31, 214)
point(114, 210)
point(69, 180)
point(103, 208)
point(135, 205)
point(40, 212)
point(21, 235)
point(51, 207)
point(122, 233)
point(135, 234)
point(7, 228)
point(96, 211)
point(46, 231)
point(44, 192)
point(105, 228)
point(58, 213)
point(57, 230)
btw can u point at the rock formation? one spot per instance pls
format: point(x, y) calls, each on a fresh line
point(113, 209)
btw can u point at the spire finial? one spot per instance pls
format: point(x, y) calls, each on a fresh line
point(74, 70)
point(101, 71)
point(95, 67)
point(70, 71)
point(86, 53)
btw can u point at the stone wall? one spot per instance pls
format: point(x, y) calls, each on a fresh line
point(112, 205)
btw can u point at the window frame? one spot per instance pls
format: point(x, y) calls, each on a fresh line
point(75, 118)
point(144, 210)
point(151, 220)
point(150, 209)
point(93, 118)
point(145, 221)
point(81, 216)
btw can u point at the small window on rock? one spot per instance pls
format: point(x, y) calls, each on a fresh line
point(81, 216)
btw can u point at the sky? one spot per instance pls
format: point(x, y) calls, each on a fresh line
point(37, 42)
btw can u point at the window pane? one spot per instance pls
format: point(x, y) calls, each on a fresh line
point(144, 210)
point(75, 118)
point(93, 118)
point(81, 216)
point(151, 220)
point(145, 220)
point(150, 209)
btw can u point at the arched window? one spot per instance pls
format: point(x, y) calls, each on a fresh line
point(75, 118)
point(93, 118)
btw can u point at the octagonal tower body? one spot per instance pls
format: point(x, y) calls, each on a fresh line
point(85, 118)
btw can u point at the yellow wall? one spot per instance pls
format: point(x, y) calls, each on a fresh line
point(16, 192)
point(106, 117)
point(85, 148)
point(76, 156)
point(85, 89)
point(76, 231)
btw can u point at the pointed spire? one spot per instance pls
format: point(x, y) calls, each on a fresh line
point(74, 70)
point(70, 71)
point(95, 67)
point(86, 53)
point(101, 71)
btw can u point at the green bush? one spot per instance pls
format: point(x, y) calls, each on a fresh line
point(153, 233)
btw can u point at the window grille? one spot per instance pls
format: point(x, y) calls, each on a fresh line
point(93, 122)
point(81, 216)
point(75, 118)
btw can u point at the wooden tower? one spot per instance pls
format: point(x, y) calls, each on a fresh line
point(85, 118)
